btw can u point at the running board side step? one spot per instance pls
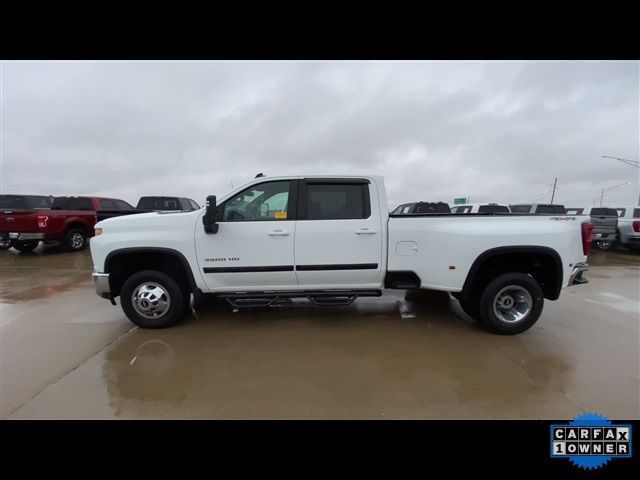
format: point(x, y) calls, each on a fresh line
point(329, 298)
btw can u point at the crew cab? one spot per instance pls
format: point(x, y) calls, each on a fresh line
point(12, 210)
point(480, 208)
point(604, 221)
point(70, 221)
point(330, 239)
point(629, 227)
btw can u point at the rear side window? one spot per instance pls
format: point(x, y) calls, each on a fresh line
point(520, 208)
point(106, 204)
point(493, 209)
point(636, 213)
point(79, 204)
point(337, 201)
point(621, 212)
point(608, 212)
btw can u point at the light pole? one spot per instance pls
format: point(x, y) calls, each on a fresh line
point(606, 189)
point(633, 163)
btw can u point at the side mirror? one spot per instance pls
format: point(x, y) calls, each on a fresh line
point(209, 217)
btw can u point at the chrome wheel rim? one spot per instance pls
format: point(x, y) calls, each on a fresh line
point(512, 304)
point(150, 300)
point(77, 240)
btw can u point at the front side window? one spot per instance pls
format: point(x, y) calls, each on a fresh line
point(335, 201)
point(194, 205)
point(265, 201)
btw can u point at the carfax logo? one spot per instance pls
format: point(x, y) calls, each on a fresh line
point(590, 440)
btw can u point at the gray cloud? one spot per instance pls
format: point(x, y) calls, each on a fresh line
point(496, 131)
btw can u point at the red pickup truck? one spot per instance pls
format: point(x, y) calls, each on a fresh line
point(69, 220)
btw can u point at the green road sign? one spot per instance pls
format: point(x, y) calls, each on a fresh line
point(460, 201)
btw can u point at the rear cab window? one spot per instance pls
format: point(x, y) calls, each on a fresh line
point(493, 209)
point(604, 212)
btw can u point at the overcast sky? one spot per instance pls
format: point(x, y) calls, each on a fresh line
point(493, 131)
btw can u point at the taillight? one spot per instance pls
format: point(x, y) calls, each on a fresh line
point(636, 226)
point(586, 229)
point(42, 221)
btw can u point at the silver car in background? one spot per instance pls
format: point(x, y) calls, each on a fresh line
point(629, 227)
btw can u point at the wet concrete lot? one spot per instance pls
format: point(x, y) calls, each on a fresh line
point(68, 354)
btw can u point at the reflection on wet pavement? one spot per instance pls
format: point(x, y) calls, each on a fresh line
point(405, 355)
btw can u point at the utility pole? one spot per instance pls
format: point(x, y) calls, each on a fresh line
point(555, 182)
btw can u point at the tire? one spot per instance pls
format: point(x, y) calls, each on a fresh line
point(5, 244)
point(74, 240)
point(158, 289)
point(520, 295)
point(25, 246)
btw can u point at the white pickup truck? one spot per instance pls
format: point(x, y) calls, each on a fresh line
point(331, 239)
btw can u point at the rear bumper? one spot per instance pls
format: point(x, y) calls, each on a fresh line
point(101, 282)
point(576, 277)
point(23, 235)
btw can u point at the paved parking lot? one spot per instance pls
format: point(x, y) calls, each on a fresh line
point(65, 353)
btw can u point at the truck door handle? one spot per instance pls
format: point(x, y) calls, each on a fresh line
point(278, 233)
point(365, 231)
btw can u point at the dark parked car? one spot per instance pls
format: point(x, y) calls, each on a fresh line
point(150, 204)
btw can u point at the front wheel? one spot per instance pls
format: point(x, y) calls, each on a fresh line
point(25, 246)
point(511, 304)
point(152, 299)
point(5, 243)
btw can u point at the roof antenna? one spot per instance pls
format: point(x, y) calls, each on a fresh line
point(259, 175)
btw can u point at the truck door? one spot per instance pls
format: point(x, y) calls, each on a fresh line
point(253, 248)
point(338, 239)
